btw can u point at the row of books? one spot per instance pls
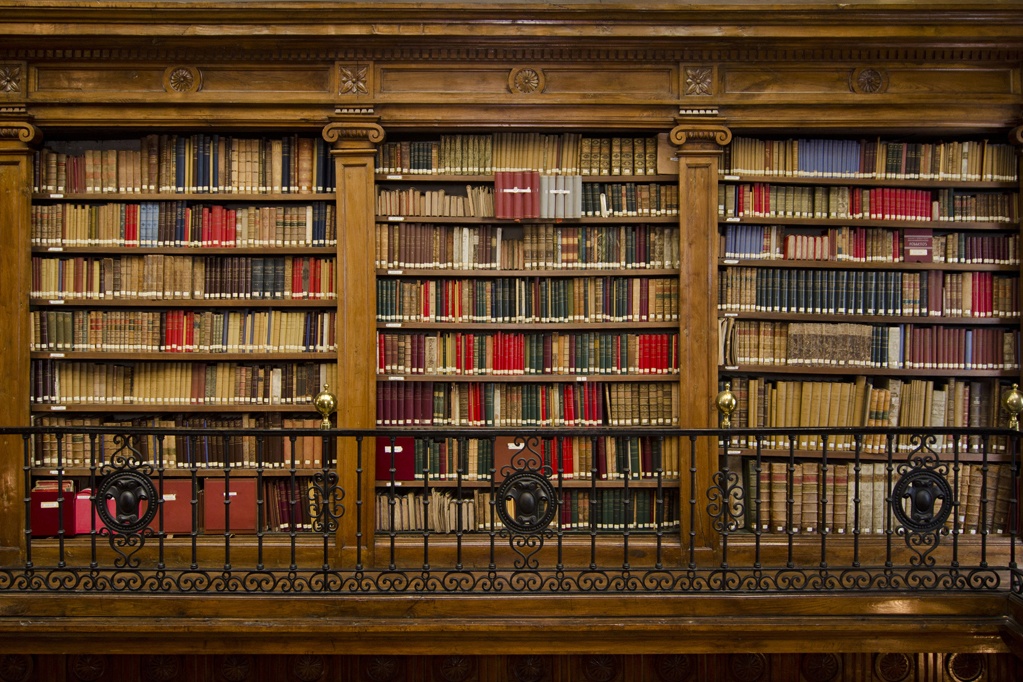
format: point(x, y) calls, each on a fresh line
point(625, 199)
point(528, 299)
point(195, 163)
point(867, 245)
point(517, 353)
point(211, 450)
point(436, 403)
point(880, 159)
point(763, 200)
point(604, 509)
point(830, 344)
point(477, 202)
point(104, 384)
point(866, 292)
point(587, 458)
point(551, 154)
point(847, 498)
point(866, 401)
point(547, 246)
point(528, 194)
point(179, 223)
point(184, 331)
point(164, 277)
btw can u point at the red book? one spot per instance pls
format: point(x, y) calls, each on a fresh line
point(403, 450)
point(534, 194)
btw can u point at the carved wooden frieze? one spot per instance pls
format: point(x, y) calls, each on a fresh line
point(480, 81)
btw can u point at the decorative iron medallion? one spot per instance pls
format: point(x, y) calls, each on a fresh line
point(128, 489)
point(529, 502)
point(930, 500)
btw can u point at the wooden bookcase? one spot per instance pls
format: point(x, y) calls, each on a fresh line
point(867, 283)
point(393, 72)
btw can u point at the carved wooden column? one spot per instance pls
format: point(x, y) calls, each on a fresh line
point(355, 141)
point(16, 138)
point(699, 149)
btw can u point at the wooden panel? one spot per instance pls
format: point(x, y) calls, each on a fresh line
point(636, 81)
point(838, 80)
point(87, 82)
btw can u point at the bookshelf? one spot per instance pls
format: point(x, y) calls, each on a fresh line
point(526, 280)
point(866, 282)
point(186, 280)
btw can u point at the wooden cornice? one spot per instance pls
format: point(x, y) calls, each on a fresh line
point(950, 21)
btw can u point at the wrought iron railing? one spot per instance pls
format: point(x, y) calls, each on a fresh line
point(284, 511)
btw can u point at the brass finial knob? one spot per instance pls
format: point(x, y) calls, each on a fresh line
point(1012, 401)
point(726, 403)
point(325, 403)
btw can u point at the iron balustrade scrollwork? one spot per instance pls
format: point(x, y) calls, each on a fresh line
point(877, 510)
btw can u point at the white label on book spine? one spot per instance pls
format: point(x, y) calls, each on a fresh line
point(731, 314)
point(48, 505)
point(733, 220)
point(56, 196)
point(396, 449)
point(731, 261)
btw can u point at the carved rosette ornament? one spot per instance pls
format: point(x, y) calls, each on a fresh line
point(964, 667)
point(869, 81)
point(308, 668)
point(675, 667)
point(352, 79)
point(527, 668)
point(88, 667)
point(160, 668)
point(383, 668)
point(12, 79)
point(182, 79)
point(698, 81)
point(455, 668)
point(747, 667)
point(236, 667)
point(15, 667)
point(820, 667)
point(893, 667)
point(601, 668)
point(526, 80)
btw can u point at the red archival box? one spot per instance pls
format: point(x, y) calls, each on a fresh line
point(243, 505)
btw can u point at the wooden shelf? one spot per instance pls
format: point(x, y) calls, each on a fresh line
point(810, 371)
point(940, 225)
point(887, 320)
point(856, 265)
point(866, 182)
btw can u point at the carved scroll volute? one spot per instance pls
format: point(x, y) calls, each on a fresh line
point(700, 136)
point(354, 133)
point(20, 131)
